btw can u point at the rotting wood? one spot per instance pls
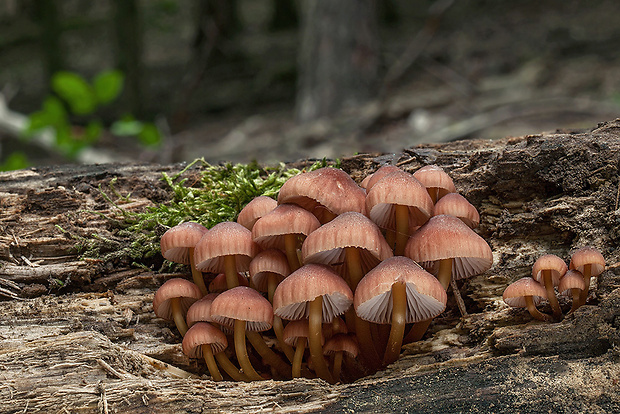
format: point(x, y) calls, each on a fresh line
point(91, 343)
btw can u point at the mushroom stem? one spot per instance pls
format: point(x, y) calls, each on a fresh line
point(230, 368)
point(197, 274)
point(576, 300)
point(178, 316)
point(364, 336)
point(230, 269)
point(587, 274)
point(402, 229)
point(300, 347)
point(390, 237)
point(207, 354)
point(278, 329)
point(242, 352)
point(536, 314)
point(290, 247)
point(444, 275)
point(354, 266)
point(315, 321)
point(399, 314)
point(337, 365)
point(270, 357)
point(553, 300)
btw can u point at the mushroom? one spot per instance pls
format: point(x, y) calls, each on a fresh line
point(548, 270)
point(590, 262)
point(437, 182)
point(399, 203)
point(338, 346)
point(267, 270)
point(446, 247)
point(572, 283)
point(200, 311)
point(396, 292)
point(325, 192)
point(248, 312)
point(527, 293)
point(172, 300)
point(454, 204)
point(206, 341)
point(219, 283)
point(226, 248)
point(377, 175)
point(255, 209)
point(285, 228)
point(315, 292)
point(177, 245)
point(296, 335)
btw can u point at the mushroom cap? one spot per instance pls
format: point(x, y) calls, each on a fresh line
point(434, 177)
point(398, 188)
point(588, 255)
point(379, 174)
point(269, 230)
point(454, 204)
point(245, 304)
point(200, 311)
point(175, 288)
point(327, 244)
point(346, 343)
point(218, 284)
point(293, 294)
point(266, 262)
point(255, 209)
point(323, 189)
point(297, 329)
point(514, 295)
point(177, 240)
point(426, 298)
point(550, 262)
point(572, 279)
point(203, 333)
point(445, 237)
point(225, 239)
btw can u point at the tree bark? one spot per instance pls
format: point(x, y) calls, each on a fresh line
point(81, 335)
point(338, 58)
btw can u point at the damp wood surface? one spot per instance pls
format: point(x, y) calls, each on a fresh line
point(80, 335)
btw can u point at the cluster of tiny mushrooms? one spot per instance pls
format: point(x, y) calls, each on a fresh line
point(340, 274)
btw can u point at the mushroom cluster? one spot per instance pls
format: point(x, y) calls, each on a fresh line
point(550, 273)
point(328, 281)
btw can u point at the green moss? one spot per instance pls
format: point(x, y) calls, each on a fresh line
point(213, 195)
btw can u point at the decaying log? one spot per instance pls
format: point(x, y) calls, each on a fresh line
point(80, 335)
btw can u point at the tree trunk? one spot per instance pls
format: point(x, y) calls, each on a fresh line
point(81, 336)
point(338, 58)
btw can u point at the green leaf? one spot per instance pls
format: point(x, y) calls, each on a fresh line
point(126, 127)
point(108, 85)
point(15, 161)
point(92, 132)
point(74, 90)
point(52, 114)
point(149, 136)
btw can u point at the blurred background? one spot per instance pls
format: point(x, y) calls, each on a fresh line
point(280, 80)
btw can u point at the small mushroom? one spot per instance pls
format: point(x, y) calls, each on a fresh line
point(590, 262)
point(548, 269)
point(454, 204)
point(296, 335)
point(437, 182)
point(172, 300)
point(572, 283)
point(338, 346)
point(527, 293)
point(255, 209)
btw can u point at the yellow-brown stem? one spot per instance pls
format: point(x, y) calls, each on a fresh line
point(367, 345)
point(576, 300)
point(354, 266)
point(242, 352)
point(268, 355)
point(536, 314)
point(207, 354)
point(197, 274)
point(553, 300)
point(337, 365)
point(315, 322)
point(178, 316)
point(300, 347)
point(230, 270)
point(399, 314)
point(290, 247)
point(587, 274)
point(232, 371)
point(402, 229)
point(444, 275)
point(278, 329)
